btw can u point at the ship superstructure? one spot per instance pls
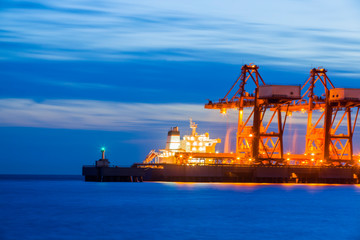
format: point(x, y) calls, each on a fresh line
point(196, 148)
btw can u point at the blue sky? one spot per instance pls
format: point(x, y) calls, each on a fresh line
point(77, 75)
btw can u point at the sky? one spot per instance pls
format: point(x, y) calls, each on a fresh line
point(78, 75)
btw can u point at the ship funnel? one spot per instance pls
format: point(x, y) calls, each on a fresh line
point(173, 139)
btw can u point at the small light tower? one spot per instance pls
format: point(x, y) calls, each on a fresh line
point(103, 152)
point(102, 162)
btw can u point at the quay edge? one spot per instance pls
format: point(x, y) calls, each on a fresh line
point(222, 173)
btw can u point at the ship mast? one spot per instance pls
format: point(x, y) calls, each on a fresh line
point(193, 127)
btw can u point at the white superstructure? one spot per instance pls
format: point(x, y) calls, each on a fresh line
point(173, 139)
point(194, 143)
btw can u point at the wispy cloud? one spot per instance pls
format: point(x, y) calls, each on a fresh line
point(272, 32)
point(99, 115)
point(117, 116)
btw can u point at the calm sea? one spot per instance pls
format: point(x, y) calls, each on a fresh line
point(65, 207)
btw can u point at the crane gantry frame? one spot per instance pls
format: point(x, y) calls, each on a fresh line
point(323, 144)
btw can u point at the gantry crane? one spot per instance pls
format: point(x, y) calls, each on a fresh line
point(309, 103)
point(325, 144)
point(325, 141)
point(256, 142)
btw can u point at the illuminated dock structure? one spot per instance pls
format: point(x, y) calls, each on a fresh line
point(325, 143)
point(263, 111)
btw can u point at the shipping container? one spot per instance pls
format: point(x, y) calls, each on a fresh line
point(279, 92)
point(341, 94)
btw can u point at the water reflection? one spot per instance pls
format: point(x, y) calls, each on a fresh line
point(250, 187)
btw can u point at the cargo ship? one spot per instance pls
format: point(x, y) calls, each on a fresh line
point(259, 155)
point(194, 159)
point(196, 149)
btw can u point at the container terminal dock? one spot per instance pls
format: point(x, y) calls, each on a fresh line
point(262, 112)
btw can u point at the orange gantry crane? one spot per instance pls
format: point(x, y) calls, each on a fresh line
point(259, 137)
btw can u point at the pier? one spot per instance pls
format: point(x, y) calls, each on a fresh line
point(223, 173)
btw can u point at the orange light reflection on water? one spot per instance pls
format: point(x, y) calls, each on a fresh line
point(249, 187)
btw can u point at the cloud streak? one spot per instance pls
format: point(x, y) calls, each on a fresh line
point(98, 115)
point(292, 33)
point(116, 116)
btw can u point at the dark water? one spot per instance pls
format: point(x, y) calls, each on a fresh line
point(68, 208)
